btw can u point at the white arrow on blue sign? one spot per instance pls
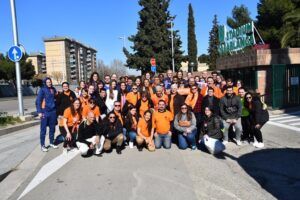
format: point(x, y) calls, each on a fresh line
point(15, 53)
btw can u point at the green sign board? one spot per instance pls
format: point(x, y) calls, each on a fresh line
point(236, 39)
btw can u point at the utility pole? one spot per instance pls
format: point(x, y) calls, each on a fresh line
point(172, 40)
point(17, 64)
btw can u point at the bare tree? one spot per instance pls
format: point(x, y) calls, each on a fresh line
point(57, 76)
point(115, 67)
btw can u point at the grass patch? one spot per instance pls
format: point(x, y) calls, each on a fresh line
point(6, 119)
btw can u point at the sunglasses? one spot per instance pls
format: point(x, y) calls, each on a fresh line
point(184, 108)
point(194, 88)
point(117, 105)
point(134, 88)
point(248, 97)
point(112, 117)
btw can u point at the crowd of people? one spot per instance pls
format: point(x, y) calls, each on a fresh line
point(151, 111)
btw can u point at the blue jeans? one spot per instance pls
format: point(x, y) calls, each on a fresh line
point(185, 141)
point(48, 119)
point(132, 136)
point(125, 134)
point(162, 139)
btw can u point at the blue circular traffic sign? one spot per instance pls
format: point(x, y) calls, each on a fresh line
point(15, 53)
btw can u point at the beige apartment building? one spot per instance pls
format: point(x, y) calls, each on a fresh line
point(69, 60)
point(38, 60)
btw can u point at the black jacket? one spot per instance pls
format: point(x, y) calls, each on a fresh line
point(257, 114)
point(177, 103)
point(64, 101)
point(128, 124)
point(212, 127)
point(215, 104)
point(230, 107)
point(101, 103)
point(87, 131)
point(110, 130)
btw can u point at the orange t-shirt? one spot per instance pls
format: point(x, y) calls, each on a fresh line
point(162, 121)
point(144, 106)
point(71, 120)
point(84, 102)
point(171, 104)
point(143, 126)
point(217, 92)
point(155, 99)
point(191, 102)
point(132, 98)
point(88, 109)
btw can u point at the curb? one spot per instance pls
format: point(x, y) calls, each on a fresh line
point(7, 130)
point(282, 111)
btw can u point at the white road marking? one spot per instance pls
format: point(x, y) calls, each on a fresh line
point(278, 118)
point(48, 169)
point(290, 120)
point(284, 126)
point(295, 124)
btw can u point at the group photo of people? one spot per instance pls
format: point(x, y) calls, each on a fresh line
point(198, 112)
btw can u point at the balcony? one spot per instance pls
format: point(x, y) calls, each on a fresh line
point(72, 50)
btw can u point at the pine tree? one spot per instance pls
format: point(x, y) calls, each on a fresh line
point(240, 16)
point(153, 38)
point(213, 44)
point(192, 42)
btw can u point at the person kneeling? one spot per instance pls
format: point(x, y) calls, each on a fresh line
point(185, 124)
point(212, 132)
point(113, 132)
point(145, 132)
point(89, 137)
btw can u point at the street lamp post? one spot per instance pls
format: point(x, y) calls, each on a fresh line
point(123, 38)
point(17, 64)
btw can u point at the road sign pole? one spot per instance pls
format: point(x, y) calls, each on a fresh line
point(17, 64)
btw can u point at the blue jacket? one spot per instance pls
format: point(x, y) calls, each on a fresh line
point(45, 100)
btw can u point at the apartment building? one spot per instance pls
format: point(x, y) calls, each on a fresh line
point(38, 60)
point(69, 60)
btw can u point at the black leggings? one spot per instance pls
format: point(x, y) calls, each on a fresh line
point(257, 132)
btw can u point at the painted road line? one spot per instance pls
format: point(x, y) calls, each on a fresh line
point(295, 124)
point(290, 120)
point(48, 169)
point(285, 114)
point(284, 126)
point(278, 118)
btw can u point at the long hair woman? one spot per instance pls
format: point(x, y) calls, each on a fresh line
point(130, 124)
point(145, 132)
point(185, 125)
point(112, 95)
point(72, 118)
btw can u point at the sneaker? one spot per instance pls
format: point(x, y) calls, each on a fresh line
point(140, 148)
point(44, 149)
point(193, 147)
point(225, 142)
point(65, 151)
point(53, 146)
point(259, 145)
point(118, 149)
point(239, 143)
point(255, 143)
point(131, 145)
point(97, 152)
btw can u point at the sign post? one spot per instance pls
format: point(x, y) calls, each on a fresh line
point(15, 54)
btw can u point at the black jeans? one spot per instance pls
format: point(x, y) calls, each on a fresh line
point(257, 132)
point(247, 133)
point(72, 142)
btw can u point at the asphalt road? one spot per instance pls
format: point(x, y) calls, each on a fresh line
point(10, 105)
point(240, 173)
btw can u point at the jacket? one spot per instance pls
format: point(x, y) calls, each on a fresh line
point(215, 104)
point(257, 114)
point(64, 101)
point(212, 127)
point(230, 107)
point(111, 131)
point(45, 100)
point(178, 101)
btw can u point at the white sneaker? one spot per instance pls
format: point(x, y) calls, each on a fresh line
point(53, 146)
point(239, 143)
point(225, 142)
point(131, 145)
point(44, 149)
point(65, 151)
point(259, 145)
point(255, 143)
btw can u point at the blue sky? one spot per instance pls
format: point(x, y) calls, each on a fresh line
point(99, 23)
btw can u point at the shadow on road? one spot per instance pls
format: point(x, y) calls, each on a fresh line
point(276, 170)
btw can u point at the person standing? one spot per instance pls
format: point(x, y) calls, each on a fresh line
point(245, 118)
point(46, 109)
point(185, 124)
point(211, 101)
point(161, 120)
point(258, 117)
point(231, 111)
